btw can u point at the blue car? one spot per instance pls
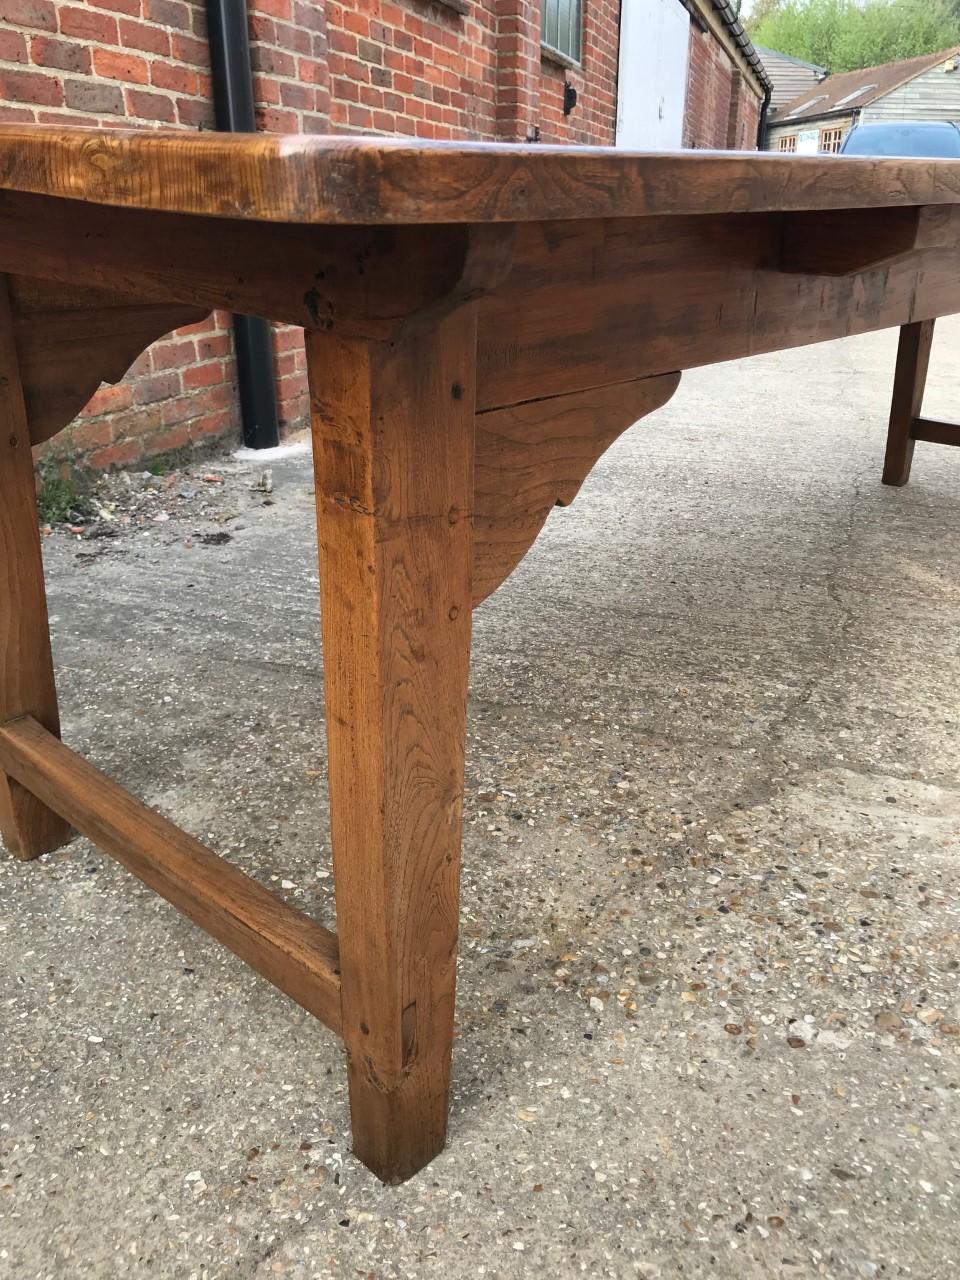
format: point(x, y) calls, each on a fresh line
point(904, 138)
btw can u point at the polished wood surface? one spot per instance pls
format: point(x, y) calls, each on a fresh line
point(71, 339)
point(906, 424)
point(27, 826)
point(296, 954)
point(393, 430)
point(936, 432)
point(304, 179)
point(913, 363)
point(482, 323)
point(593, 302)
point(534, 456)
point(319, 277)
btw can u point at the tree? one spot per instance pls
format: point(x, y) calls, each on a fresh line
point(844, 35)
point(763, 9)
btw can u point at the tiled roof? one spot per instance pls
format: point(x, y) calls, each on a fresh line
point(859, 88)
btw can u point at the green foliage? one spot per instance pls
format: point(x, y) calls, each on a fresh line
point(845, 35)
point(62, 491)
point(762, 10)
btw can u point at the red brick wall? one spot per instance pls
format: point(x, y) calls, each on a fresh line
point(748, 122)
point(594, 118)
point(517, 69)
point(143, 63)
point(414, 67)
point(179, 393)
point(722, 110)
point(423, 69)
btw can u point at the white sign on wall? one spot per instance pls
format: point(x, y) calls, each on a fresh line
point(808, 142)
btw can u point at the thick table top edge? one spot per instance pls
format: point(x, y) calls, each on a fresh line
point(331, 180)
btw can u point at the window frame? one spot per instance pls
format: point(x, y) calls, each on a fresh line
point(784, 143)
point(829, 137)
point(565, 57)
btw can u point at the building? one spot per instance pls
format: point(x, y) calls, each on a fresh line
point(554, 71)
point(818, 119)
point(688, 77)
point(791, 77)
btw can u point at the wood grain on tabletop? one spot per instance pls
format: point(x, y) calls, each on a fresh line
point(314, 178)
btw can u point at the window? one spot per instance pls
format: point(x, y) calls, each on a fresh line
point(560, 23)
point(831, 140)
point(805, 106)
point(867, 88)
point(787, 143)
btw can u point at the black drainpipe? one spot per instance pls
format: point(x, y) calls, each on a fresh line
point(233, 107)
point(764, 117)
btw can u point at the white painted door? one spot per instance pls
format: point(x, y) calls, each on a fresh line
point(652, 85)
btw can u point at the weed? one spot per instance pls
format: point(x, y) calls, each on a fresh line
point(64, 491)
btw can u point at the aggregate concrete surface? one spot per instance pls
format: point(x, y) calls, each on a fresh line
point(709, 1001)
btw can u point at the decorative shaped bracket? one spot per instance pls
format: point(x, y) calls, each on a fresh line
point(69, 340)
point(535, 456)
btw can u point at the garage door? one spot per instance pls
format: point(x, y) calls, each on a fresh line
point(652, 86)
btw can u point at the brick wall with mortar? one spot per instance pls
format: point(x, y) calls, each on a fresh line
point(416, 67)
point(722, 112)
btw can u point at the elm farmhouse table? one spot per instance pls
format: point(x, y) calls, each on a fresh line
point(482, 321)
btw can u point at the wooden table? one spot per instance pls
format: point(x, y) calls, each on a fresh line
point(481, 323)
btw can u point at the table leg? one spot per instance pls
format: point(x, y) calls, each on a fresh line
point(27, 827)
point(393, 430)
point(913, 361)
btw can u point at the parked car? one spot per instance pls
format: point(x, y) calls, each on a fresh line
point(904, 138)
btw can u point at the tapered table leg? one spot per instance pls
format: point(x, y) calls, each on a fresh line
point(913, 362)
point(393, 430)
point(27, 827)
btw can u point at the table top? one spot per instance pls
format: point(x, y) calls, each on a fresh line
point(314, 179)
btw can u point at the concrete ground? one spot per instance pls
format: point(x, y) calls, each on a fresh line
point(709, 1005)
